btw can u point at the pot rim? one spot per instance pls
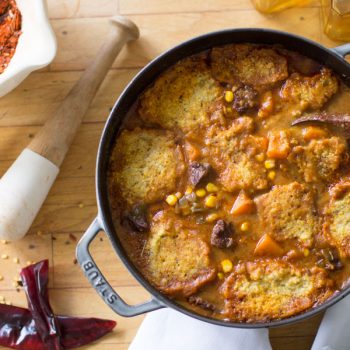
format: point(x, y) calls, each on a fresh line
point(110, 130)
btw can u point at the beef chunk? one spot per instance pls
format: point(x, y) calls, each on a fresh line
point(245, 98)
point(221, 235)
point(197, 172)
point(200, 302)
point(137, 218)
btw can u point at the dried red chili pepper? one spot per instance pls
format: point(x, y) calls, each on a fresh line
point(81, 331)
point(18, 330)
point(35, 280)
point(39, 328)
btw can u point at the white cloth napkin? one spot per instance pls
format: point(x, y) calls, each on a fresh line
point(170, 330)
point(334, 331)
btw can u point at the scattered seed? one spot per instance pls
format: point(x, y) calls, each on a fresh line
point(39, 233)
point(75, 261)
point(1, 278)
point(4, 256)
point(72, 237)
point(81, 205)
point(4, 241)
point(16, 260)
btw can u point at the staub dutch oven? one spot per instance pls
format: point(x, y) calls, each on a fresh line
point(334, 58)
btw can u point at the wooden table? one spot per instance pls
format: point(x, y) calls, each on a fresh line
point(80, 26)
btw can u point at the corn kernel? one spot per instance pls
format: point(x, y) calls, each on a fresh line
point(2, 298)
point(211, 187)
point(189, 190)
point(212, 217)
point(245, 226)
point(226, 265)
point(4, 256)
point(171, 199)
point(1, 277)
point(306, 252)
point(211, 201)
point(269, 163)
point(4, 241)
point(201, 192)
point(16, 260)
point(271, 175)
point(260, 157)
point(178, 195)
point(228, 96)
point(220, 275)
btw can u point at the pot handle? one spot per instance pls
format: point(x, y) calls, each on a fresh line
point(342, 50)
point(98, 281)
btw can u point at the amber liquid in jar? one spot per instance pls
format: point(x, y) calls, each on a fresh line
point(269, 6)
point(336, 19)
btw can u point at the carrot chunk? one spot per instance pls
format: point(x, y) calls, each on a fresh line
point(279, 146)
point(268, 246)
point(313, 132)
point(242, 205)
point(192, 151)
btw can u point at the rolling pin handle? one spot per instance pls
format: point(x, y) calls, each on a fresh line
point(126, 25)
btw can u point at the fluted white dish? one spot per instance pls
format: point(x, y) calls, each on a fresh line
point(36, 47)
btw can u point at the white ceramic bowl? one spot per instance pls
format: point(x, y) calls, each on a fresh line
point(36, 46)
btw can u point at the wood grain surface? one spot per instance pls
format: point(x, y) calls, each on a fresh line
point(80, 26)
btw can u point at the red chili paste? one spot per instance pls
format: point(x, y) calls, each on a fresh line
point(10, 30)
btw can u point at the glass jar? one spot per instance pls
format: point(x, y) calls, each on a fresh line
point(269, 6)
point(336, 19)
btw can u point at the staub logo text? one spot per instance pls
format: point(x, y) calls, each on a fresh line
point(99, 282)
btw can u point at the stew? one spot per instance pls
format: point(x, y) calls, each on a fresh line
point(223, 205)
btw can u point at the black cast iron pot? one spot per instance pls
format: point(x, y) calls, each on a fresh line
point(334, 58)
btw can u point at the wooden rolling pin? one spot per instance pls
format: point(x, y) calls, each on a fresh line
point(25, 185)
